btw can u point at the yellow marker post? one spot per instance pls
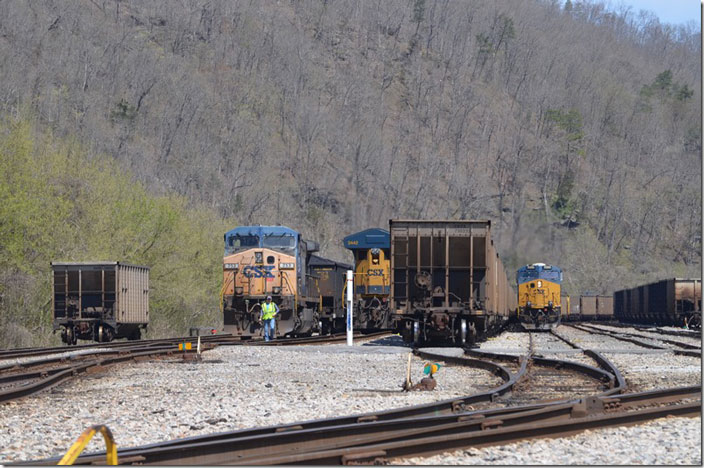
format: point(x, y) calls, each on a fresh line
point(84, 438)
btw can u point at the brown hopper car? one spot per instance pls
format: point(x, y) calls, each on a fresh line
point(447, 281)
point(99, 301)
point(675, 302)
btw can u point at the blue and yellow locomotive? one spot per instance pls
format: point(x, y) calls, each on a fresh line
point(261, 261)
point(539, 301)
point(372, 278)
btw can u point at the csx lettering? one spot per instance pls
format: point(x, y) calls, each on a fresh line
point(258, 271)
point(378, 272)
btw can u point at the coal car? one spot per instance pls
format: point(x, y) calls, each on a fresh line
point(675, 302)
point(326, 282)
point(99, 301)
point(448, 284)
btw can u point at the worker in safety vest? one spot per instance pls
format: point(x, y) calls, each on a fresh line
point(269, 311)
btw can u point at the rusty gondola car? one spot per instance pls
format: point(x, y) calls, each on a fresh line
point(447, 281)
point(675, 302)
point(99, 301)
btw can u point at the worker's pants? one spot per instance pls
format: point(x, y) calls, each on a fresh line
point(269, 329)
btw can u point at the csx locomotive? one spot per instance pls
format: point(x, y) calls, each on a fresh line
point(263, 261)
point(372, 278)
point(539, 301)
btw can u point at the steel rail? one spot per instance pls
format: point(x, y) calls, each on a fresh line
point(620, 337)
point(664, 340)
point(461, 438)
point(298, 435)
point(285, 447)
point(448, 406)
point(334, 338)
point(49, 378)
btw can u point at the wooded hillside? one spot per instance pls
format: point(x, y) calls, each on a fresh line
point(576, 130)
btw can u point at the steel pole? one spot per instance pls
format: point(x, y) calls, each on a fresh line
point(350, 286)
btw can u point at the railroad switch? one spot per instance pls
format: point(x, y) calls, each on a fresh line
point(594, 405)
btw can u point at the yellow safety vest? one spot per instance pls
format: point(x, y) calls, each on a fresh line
point(269, 310)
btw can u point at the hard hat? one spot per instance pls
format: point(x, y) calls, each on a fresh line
point(268, 298)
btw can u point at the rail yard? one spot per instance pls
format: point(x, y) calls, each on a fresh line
point(167, 408)
point(447, 356)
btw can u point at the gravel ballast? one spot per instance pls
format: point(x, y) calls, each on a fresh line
point(241, 387)
point(236, 387)
point(666, 441)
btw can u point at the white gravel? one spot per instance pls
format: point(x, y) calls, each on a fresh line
point(666, 441)
point(515, 343)
point(654, 335)
point(645, 372)
point(596, 342)
point(237, 387)
point(240, 387)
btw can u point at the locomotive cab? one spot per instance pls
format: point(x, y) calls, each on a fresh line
point(261, 261)
point(539, 296)
point(372, 277)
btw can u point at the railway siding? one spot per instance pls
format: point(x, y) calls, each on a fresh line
point(236, 387)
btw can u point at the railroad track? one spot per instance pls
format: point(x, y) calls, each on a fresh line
point(245, 446)
point(647, 334)
point(437, 427)
point(414, 431)
point(21, 379)
point(644, 342)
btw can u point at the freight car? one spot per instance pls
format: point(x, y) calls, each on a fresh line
point(569, 311)
point(99, 301)
point(447, 281)
point(263, 261)
point(675, 302)
point(539, 296)
point(372, 278)
point(594, 307)
point(326, 282)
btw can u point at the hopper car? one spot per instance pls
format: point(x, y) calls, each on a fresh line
point(326, 282)
point(448, 284)
point(99, 301)
point(673, 302)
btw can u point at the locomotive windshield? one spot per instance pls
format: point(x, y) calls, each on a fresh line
point(285, 242)
point(239, 242)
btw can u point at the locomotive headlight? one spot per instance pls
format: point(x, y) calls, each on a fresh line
point(231, 266)
point(540, 284)
point(239, 290)
point(286, 266)
point(276, 290)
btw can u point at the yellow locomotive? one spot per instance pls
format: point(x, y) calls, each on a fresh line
point(372, 277)
point(263, 261)
point(539, 301)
